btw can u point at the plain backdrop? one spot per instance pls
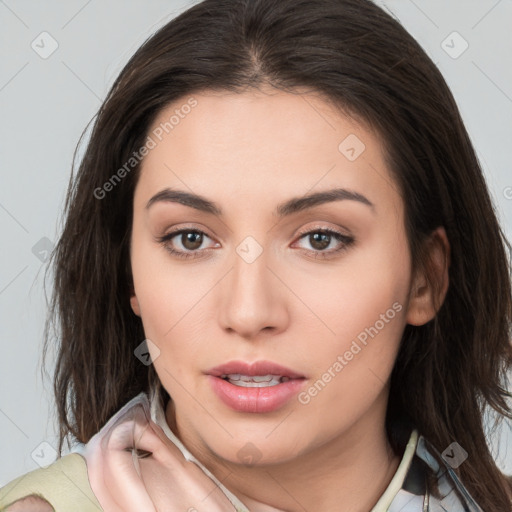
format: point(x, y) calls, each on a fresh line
point(58, 60)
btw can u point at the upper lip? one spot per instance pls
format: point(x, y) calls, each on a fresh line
point(251, 369)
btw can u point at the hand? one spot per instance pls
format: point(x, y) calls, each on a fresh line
point(158, 479)
point(30, 504)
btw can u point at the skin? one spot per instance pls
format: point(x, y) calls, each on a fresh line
point(249, 152)
point(30, 504)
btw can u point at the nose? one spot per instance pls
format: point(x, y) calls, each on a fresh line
point(253, 298)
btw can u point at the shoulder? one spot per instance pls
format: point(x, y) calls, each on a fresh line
point(64, 485)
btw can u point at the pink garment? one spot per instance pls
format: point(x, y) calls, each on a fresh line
point(164, 481)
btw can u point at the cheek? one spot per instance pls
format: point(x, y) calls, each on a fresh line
point(164, 290)
point(361, 315)
point(172, 299)
point(345, 298)
point(156, 297)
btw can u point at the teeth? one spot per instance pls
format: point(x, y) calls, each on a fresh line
point(254, 381)
point(257, 378)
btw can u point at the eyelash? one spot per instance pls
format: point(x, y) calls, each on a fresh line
point(346, 240)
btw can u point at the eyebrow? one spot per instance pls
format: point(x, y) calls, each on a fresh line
point(289, 207)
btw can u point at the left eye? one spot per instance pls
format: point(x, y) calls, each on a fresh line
point(321, 239)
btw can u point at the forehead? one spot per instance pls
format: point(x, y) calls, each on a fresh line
point(266, 141)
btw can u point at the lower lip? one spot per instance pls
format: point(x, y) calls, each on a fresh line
point(264, 399)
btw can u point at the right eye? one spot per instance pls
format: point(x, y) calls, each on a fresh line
point(190, 240)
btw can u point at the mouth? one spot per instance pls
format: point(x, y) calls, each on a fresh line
point(262, 386)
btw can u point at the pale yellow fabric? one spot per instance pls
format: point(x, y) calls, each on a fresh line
point(64, 484)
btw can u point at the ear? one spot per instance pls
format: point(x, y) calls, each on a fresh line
point(427, 296)
point(134, 303)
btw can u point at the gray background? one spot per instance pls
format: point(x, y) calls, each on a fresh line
point(47, 102)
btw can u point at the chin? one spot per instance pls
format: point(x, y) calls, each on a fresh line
point(257, 453)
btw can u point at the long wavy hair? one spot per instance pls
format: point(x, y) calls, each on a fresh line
point(448, 372)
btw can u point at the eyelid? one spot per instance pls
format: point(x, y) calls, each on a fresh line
point(323, 227)
point(186, 227)
point(303, 231)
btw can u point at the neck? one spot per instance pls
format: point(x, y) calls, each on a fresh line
point(349, 473)
point(333, 477)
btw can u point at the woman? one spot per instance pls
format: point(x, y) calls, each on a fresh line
point(281, 284)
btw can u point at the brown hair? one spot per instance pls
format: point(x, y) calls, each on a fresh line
point(449, 371)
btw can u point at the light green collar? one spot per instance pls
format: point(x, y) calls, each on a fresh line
point(398, 480)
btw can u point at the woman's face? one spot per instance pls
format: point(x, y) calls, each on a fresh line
point(294, 253)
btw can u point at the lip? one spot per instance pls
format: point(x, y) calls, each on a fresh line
point(251, 369)
point(254, 399)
